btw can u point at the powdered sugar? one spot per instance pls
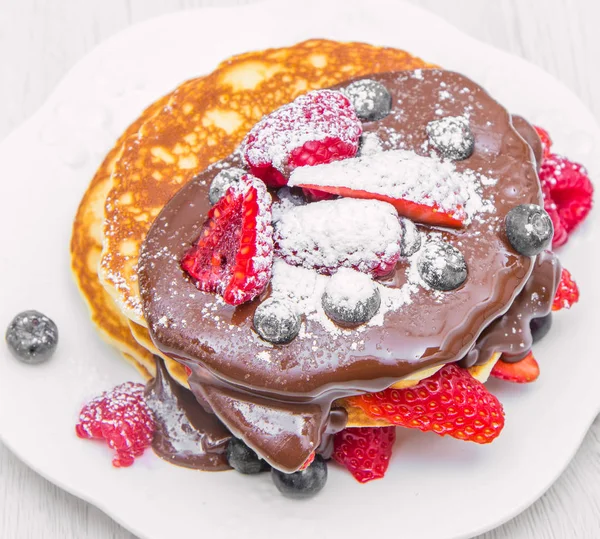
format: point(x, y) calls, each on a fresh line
point(359, 234)
point(349, 287)
point(403, 175)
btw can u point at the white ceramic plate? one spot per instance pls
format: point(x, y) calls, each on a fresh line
point(436, 487)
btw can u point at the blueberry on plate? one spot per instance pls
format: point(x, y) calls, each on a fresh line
point(370, 99)
point(452, 137)
point(223, 181)
point(277, 321)
point(529, 229)
point(351, 298)
point(303, 484)
point(32, 337)
point(540, 327)
point(442, 266)
point(243, 459)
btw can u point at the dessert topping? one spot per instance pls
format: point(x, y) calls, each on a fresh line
point(410, 240)
point(442, 266)
point(540, 327)
point(318, 127)
point(32, 337)
point(222, 182)
point(567, 293)
point(522, 372)
point(277, 321)
point(529, 229)
point(365, 451)
point(370, 99)
point(244, 459)
point(304, 483)
point(351, 298)
point(449, 402)
point(234, 253)
point(452, 137)
point(545, 139)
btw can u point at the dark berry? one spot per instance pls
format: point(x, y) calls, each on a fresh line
point(370, 99)
point(277, 321)
point(243, 459)
point(452, 137)
point(442, 266)
point(32, 337)
point(529, 229)
point(303, 484)
point(540, 327)
point(410, 241)
point(351, 298)
point(223, 181)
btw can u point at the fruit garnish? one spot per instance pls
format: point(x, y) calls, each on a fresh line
point(452, 137)
point(529, 229)
point(423, 189)
point(568, 194)
point(360, 234)
point(32, 337)
point(522, 372)
point(546, 140)
point(567, 292)
point(308, 462)
point(243, 459)
point(122, 418)
point(234, 253)
point(277, 321)
point(450, 402)
point(442, 266)
point(371, 100)
point(365, 451)
point(305, 483)
point(318, 127)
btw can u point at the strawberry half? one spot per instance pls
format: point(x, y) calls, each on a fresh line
point(234, 253)
point(567, 292)
point(318, 127)
point(522, 372)
point(423, 189)
point(365, 451)
point(449, 402)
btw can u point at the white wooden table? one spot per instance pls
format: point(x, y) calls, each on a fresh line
point(40, 40)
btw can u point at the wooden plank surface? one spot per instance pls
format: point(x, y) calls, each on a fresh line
point(41, 39)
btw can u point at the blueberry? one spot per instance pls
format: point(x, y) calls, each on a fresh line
point(410, 241)
point(369, 144)
point(442, 266)
point(370, 99)
point(540, 327)
point(452, 137)
point(277, 321)
point(303, 484)
point(32, 337)
point(351, 298)
point(243, 459)
point(529, 229)
point(223, 181)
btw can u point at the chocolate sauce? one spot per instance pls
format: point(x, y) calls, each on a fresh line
point(185, 434)
point(529, 134)
point(258, 389)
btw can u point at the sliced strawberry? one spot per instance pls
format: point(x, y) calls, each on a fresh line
point(308, 462)
point(546, 140)
point(449, 402)
point(423, 189)
point(318, 127)
point(522, 372)
point(365, 451)
point(234, 253)
point(567, 293)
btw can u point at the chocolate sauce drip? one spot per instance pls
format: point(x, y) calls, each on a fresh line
point(185, 434)
point(233, 367)
point(529, 134)
point(510, 334)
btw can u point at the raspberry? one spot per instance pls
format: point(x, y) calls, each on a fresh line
point(546, 140)
point(567, 293)
point(234, 253)
point(449, 402)
point(568, 194)
point(122, 418)
point(365, 451)
point(316, 128)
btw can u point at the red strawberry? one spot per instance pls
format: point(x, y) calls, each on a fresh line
point(420, 188)
point(567, 293)
point(308, 462)
point(234, 253)
point(546, 140)
point(568, 193)
point(122, 418)
point(365, 451)
point(318, 127)
point(522, 372)
point(449, 402)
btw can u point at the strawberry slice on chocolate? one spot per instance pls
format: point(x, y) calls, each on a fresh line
point(316, 128)
point(424, 189)
point(234, 254)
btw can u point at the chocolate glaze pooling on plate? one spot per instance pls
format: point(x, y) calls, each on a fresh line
point(257, 388)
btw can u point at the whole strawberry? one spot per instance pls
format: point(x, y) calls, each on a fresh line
point(450, 402)
point(365, 451)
